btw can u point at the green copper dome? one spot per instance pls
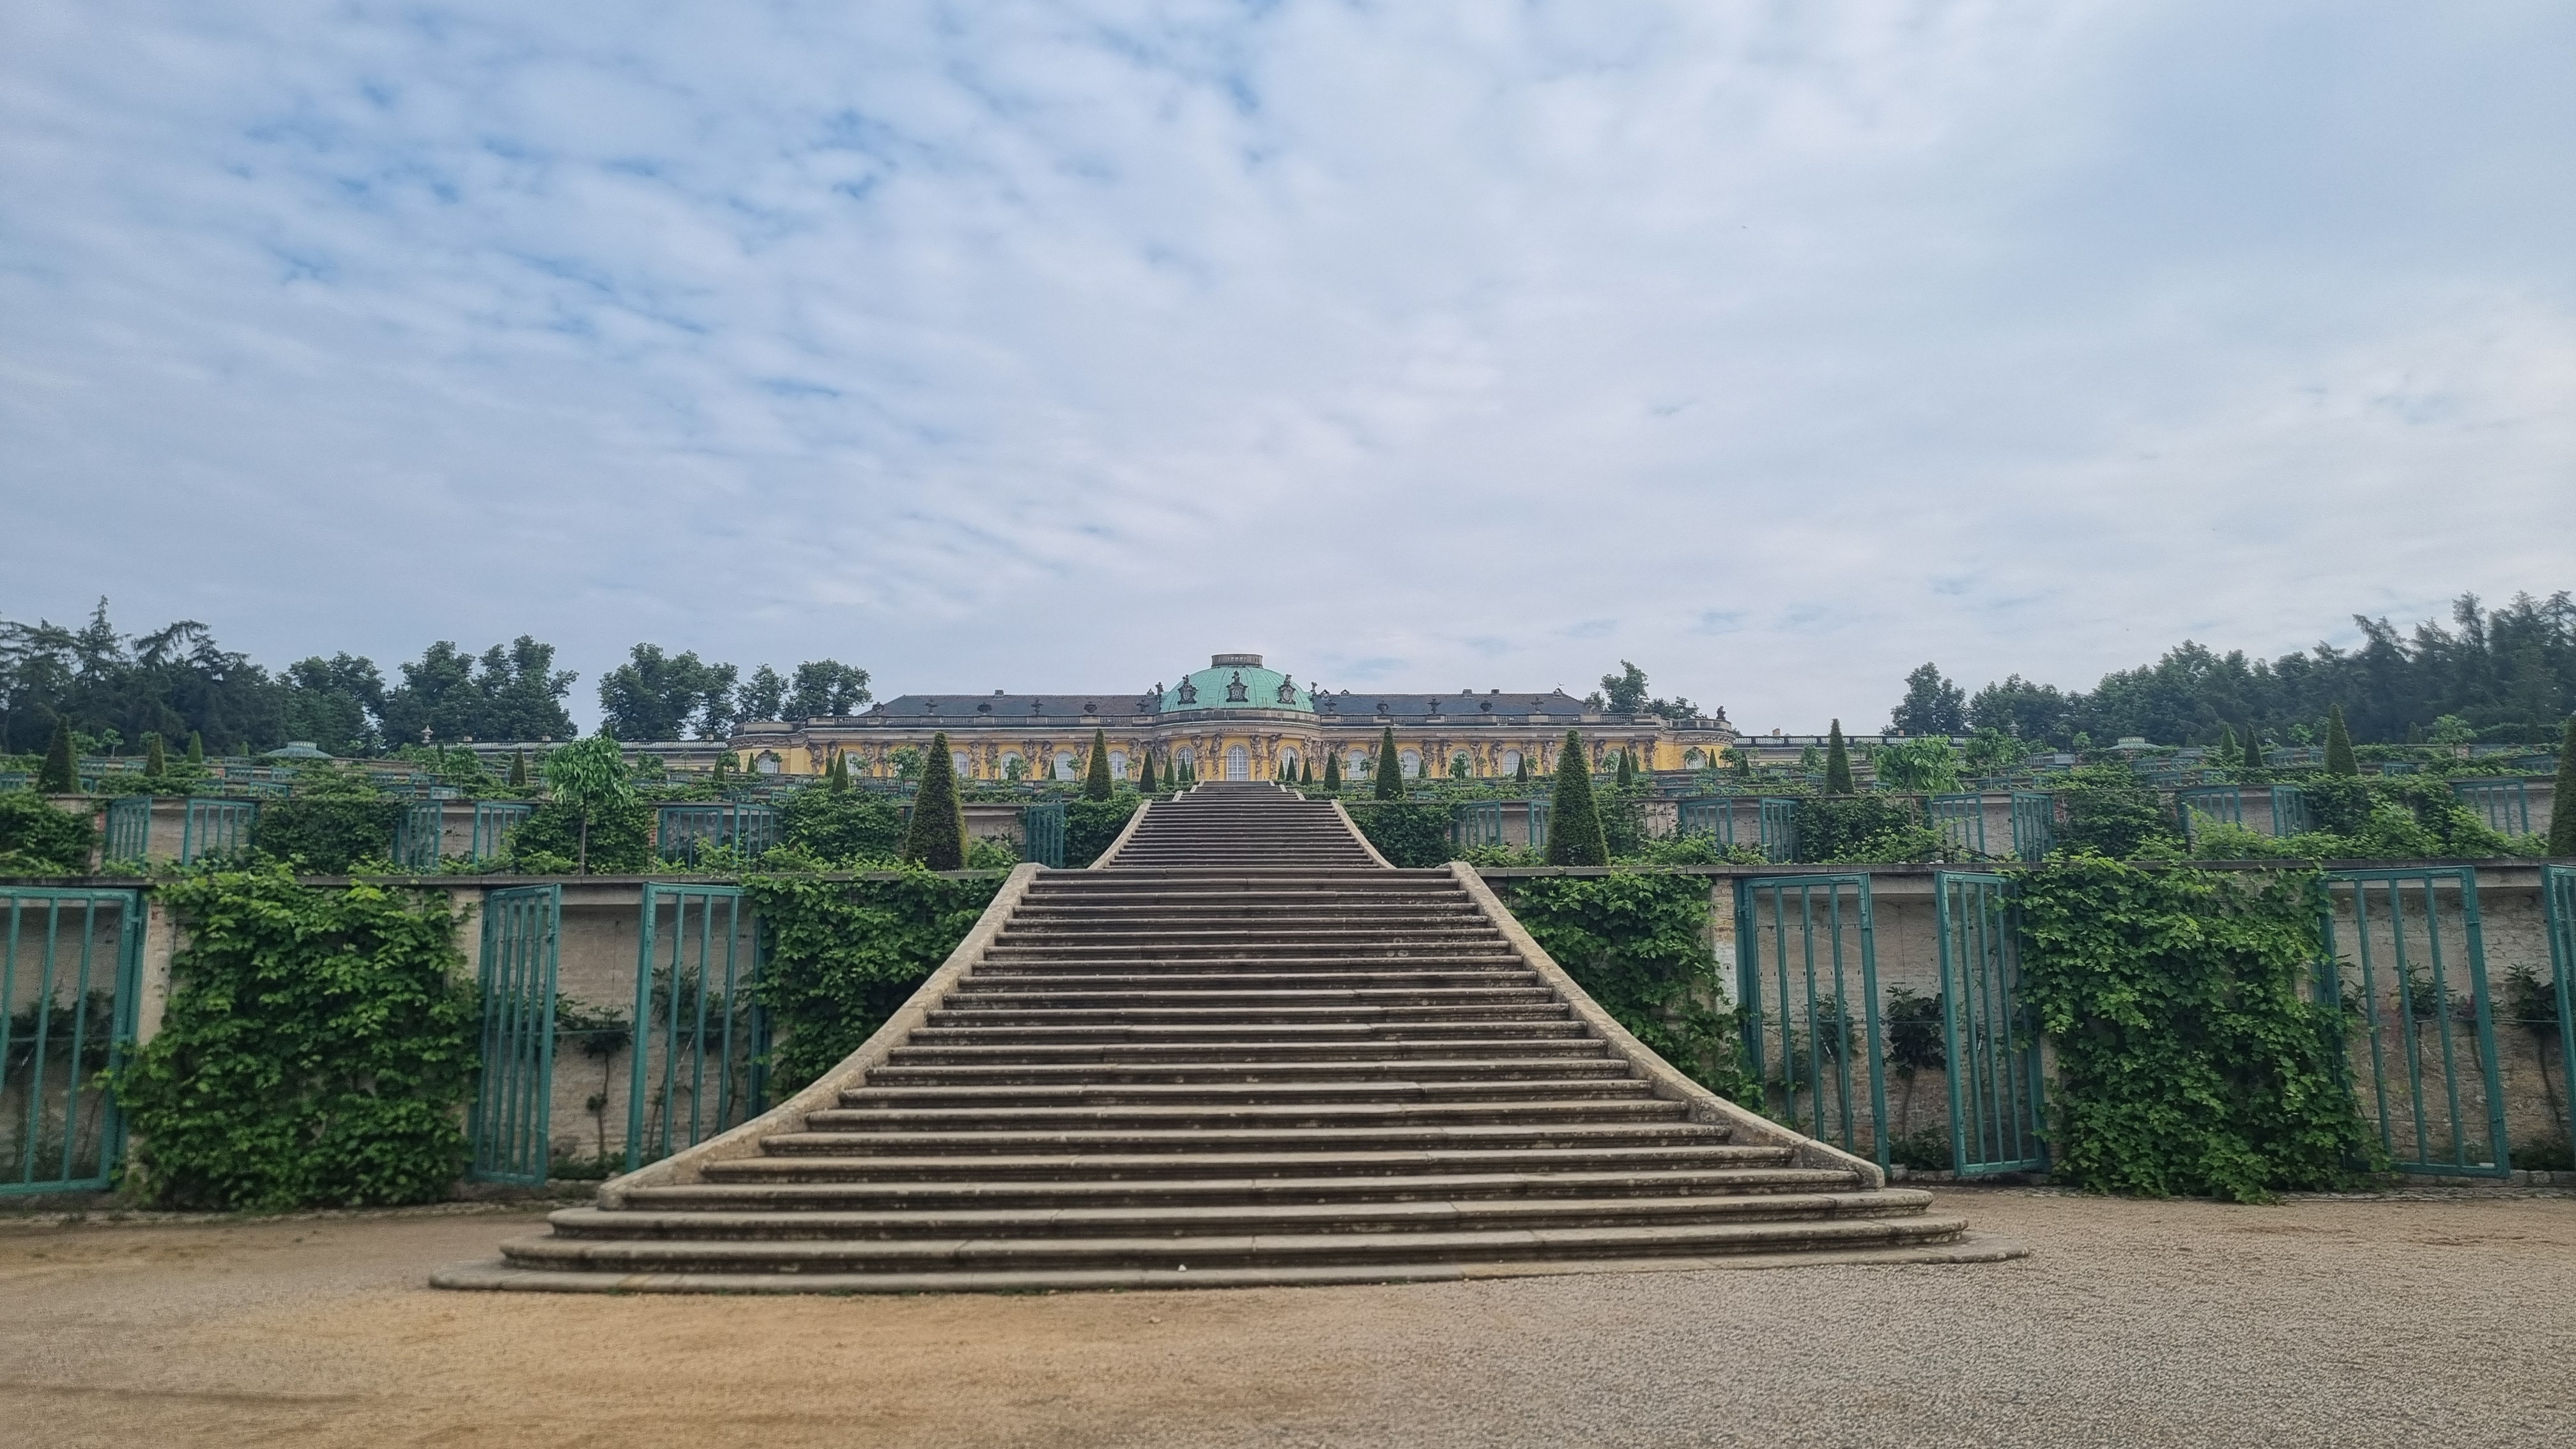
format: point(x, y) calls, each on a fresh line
point(1236, 681)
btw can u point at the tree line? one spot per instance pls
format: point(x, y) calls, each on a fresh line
point(113, 689)
point(2499, 675)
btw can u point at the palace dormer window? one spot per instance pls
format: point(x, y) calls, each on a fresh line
point(1487, 706)
point(1235, 691)
point(1090, 707)
point(985, 708)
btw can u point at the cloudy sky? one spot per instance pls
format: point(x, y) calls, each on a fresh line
point(1776, 347)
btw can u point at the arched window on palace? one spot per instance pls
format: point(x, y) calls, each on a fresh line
point(957, 758)
point(1411, 763)
point(1118, 764)
point(1064, 764)
point(1287, 764)
point(1238, 763)
point(1509, 762)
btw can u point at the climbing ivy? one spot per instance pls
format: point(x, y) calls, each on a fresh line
point(1411, 834)
point(317, 1048)
point(845, 954)
point(2189, 1061)
point(36, 838)
point(1639, 944)
point(1091, 826)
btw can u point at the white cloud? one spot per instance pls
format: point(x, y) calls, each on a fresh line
point(1054, 346)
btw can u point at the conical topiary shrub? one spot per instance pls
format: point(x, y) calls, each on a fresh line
point(1520, 772)
point(1145, 774)
point(1096, 783)
point(1838, 775)
point(156, 760)
point(937, 835)
point(2253, 747)
point(518, 769)
point(58, 775)
point(2339, 759)
point(1574, 834)
point(2562, 814)
point(2227, 752)
point(1333, 771)
point(196, 748)
point(1390, 768)
point(1627, 777)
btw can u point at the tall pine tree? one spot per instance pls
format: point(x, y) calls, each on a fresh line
point(1838, 775)
point(937, 835)
point(1574, 834)
point(1390, 768)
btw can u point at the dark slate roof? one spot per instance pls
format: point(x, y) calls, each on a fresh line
point(1116, 705)
point(1332, 706)
point(1516, 705)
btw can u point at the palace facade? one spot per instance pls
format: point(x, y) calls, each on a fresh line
point(1234, 720)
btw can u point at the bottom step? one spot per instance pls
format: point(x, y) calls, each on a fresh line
point(501, 1277)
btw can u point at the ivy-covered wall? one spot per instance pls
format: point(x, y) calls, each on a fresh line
point(845, 954)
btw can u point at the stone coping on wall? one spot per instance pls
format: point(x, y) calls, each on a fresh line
point(495, 882)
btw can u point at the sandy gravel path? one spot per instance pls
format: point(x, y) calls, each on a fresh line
point(2344, 1322)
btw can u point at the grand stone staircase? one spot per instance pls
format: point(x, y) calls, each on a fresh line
point(1241, 1050)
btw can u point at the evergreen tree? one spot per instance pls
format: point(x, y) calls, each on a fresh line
point(2253, 747)
point(1145, 774)
point(156, 761)
point(60, 774)
point(1627, 777)
point(937, 835)
point(2339, 760)
point(1333, 771)
point(2562, 814)
point(2226, 753)
point(1520, 773)
point(196, 749)
point(1574, 834)
point(1390, 768)
point(1096, 784)
point(1838, 775)
point(518, 769)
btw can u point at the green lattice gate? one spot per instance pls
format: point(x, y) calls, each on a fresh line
point(68, 983)
point(1992, 1042)
point(514, 1099)
point(1805, 956)
point(701, 1040)
point(2410, 976)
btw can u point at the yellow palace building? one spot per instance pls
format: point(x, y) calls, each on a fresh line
point(1234, 720)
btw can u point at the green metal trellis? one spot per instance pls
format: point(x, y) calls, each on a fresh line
point(493, 822)
point(2400, 988)
point(1540, 813)
point(216, 828)
point(69, 981)
point(2290, 814)
point(1476, 824)
point(2214, 804)
point(1800, 1039)
point(514, 1100)
point(129, 829)
point(2503, 803)
point(416, 836)
point(1706, 817)
point(1961, 818)
point(701, 1040)
point(2558, 915)
point(2034, 824)
point(681, 830)
point(1042, 833)
point(1996, 1114)
point(1779, 827)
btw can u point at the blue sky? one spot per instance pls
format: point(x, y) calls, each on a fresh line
point(1778, 348)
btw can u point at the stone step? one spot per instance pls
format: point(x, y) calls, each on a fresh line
point(1320, 1055)
point(988, 1034)
point(1347, 1192)
point(1392, 1093)
point(1037, 976)
point(1448, 1012)
point(1111, 1167)
point(1216, 1113)
point(1414, 1134)
point(907, 1074)
point(1497, 960)
point(811, 1257)
point(1018, 996)
point(807, 1223)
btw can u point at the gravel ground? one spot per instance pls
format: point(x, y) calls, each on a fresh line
point(2346, 1322)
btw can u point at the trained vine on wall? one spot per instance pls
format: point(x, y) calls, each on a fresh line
point(844, 955)
point(317, 1049)
point(2189, 1060)
point(1639, 944)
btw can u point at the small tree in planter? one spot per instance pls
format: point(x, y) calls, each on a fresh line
point(591, 776)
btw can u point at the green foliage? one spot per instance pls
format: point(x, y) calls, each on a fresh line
point(518, 770)
point(1096, 781)
point(196, 750)
point(591, 778)
point(1333, 771)
point(1838, 771)
point(1145, 775)
point(936, 837)
point(1520, 771)
point(2339, 760)
point(1411, 834)
point(1925, 766)
point(1697, 848)
point(1992, 752)
point(1092, 826)
point(2188, 1059)
point(1932, 705)
point(1858, 828)
point(1916, 1044)
point(1639, 945)
point(556, 839)
point(1390, 768)
point(156, 760)
point(59, 775)
point(839, 825)
point(845, 955)
point(2253, 750)
point(1574, 833)
point(2562, 816)
point(317, 1049)
point(1625, 779)
point(36, 838)
point(2110, 811)
point(334, 821)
